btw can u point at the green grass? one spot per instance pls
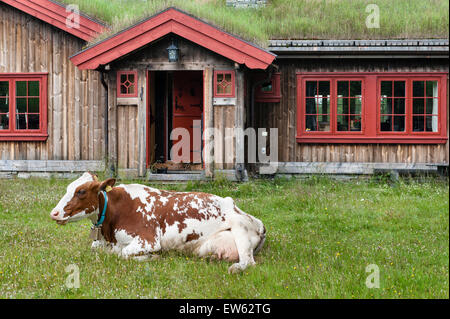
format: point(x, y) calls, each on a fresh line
point(289, 19)
point(321, 235)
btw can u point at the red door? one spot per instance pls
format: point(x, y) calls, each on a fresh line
point(188, 107)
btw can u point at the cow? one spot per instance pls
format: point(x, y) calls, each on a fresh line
point(140, 221)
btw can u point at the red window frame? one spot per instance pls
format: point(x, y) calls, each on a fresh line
point(272, 96)
point(232, 83)
point(135, 83)
point(370, 111)
point(12, 133)
point(409, 105)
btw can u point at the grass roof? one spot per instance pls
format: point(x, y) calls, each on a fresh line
point(289, 19)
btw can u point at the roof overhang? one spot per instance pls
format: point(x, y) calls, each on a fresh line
point(56, 14)
point(182, 24)
point(425, 48)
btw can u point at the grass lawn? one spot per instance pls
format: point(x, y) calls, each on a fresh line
point(321, 235)
point(289, 19)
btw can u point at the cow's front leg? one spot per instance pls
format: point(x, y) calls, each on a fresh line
point(140, 249)
point(101, 243)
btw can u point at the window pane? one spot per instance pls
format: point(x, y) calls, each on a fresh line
point(310, 106)
point(33, 105)
point(21, 123)
point(399, 88)
point(324, 88)
point(228, 77)
point(21, 105)
point(33, 88)
point(355, 106)
point(432, 106)
point(21, 88)
point(342, 123)
point(431, 123)
point(399, 123)
point(386, 123)
point(355, 123)
point(355, 88)
point(123, 78)
point(386, 106)
point(228, 89)
point(386, 88)
point(123, 89)
point(4, 107)
point(418, 123)
point(4, 88)
point(131, 77)
point(418, 88)
point(267, 87)
point(418, 106)
point(4, 122)
point(432, 88)
point(311, 88)
point(131, 89)
point(33, 121)
point(311, 123)
point(324, 123)
point(342, 106)
point(342, 88)
point(323, 106)
point(399, 106)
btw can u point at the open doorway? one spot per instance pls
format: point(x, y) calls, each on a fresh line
point(175, 104)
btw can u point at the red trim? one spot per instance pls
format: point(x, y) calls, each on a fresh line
point(135, 84)
point(232, 83)
point(56, 15)
point(273, 96)
point(13, 134)
point(370, 115)
point(182, 24)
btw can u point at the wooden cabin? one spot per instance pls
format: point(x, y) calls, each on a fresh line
point(176, 98)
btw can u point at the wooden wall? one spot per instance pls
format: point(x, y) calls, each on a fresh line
point(75, 103)
point(283, 116)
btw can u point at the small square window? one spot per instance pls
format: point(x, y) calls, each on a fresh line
point(127, 84)
point(224, 85)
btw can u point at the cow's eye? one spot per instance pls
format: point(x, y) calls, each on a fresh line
point(81, 192)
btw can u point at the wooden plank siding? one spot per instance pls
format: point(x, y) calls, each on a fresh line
point(75, 102)
point(283, 116)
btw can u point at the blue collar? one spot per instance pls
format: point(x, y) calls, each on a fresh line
point(102, 216)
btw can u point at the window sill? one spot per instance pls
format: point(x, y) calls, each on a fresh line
point(22, 137)
point(371, 140)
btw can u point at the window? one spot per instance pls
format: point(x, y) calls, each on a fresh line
point(425, 101)
point(270, 91)
point(371, 108)
point(410, 106)
point(332, 106)
point(23, 106)
point(127, 84)
point(224, 84)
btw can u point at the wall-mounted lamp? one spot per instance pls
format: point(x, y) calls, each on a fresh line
point(173, 52)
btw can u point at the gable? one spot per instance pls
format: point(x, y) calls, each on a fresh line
point(177, 22)
point(55, 14)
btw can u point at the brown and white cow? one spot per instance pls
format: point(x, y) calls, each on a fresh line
point(141, 220)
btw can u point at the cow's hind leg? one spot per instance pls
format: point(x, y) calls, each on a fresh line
point(245, 249)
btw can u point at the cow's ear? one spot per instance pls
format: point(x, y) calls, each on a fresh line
point(108, 182)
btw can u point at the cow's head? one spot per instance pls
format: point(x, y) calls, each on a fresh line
point(81, 199)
